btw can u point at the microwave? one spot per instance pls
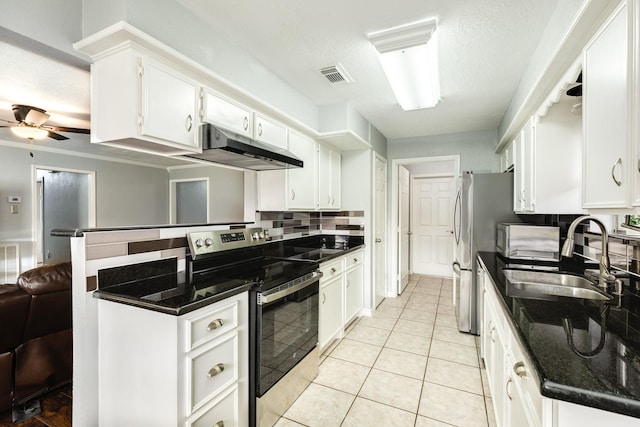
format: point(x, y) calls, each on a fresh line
point(528, 241)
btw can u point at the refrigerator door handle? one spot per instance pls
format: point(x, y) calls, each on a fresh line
point(456, 267)
point(457, 213)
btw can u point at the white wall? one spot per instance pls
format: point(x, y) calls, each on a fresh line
point(125, 194)
point(226, 190)
point(476, 149)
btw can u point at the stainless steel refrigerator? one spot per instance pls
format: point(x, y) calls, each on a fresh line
point(483, 200)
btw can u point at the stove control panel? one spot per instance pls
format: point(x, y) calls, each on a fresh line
point(208, 242)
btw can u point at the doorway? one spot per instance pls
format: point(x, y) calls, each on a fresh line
point(431, 225)
point(380, 223)
point(189, 200)
point(63, 199)
point(425, 167)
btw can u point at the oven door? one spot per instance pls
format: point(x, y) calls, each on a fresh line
point(286, 330)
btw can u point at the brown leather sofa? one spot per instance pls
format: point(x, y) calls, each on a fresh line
point(36, 344)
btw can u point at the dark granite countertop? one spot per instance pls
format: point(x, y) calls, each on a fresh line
point(598, 371)
point(157, 286)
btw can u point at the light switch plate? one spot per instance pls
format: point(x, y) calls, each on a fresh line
point(14, 199)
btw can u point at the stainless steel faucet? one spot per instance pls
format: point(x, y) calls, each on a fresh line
point(606, 278)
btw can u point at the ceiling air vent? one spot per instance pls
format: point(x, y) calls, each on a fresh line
point(336, 74)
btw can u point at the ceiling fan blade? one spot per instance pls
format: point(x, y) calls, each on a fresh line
point(57, 136)
point(66, 129)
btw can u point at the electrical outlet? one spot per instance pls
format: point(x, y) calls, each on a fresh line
point(14, 209)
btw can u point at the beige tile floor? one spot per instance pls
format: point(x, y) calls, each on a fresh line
point(406, 366)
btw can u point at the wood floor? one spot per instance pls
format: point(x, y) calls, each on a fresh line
point(56, 411)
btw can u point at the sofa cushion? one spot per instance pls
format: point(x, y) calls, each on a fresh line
point(46, 278)
point(14, 307)
point(43, 364)
point(6, 380)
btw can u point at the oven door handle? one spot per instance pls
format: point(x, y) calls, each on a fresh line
point(274, 294)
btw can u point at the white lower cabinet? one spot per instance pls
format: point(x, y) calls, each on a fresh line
point(514, 386)
point(164, 370)
point(341, 295)
point(353, 285)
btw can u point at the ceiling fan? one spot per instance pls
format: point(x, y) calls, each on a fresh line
point(30, 122)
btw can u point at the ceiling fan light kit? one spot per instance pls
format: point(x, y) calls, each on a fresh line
point(409, 58)
point(29, 132)
point(30, 122)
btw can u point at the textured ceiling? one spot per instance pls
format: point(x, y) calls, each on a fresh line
point(484, 47)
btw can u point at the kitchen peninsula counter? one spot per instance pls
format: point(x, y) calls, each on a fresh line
point(600, 373)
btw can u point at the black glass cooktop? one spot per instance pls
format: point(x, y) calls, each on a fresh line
point(162, 289)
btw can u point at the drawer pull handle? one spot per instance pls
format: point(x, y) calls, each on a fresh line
point(189, 123)
point(259, 129)
point(219, 424)
point(245, 123)
point(324, 298)
point(215, 324)
point(216, 370)
point(520, 369)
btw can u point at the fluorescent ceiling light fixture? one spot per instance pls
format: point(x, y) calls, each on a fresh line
point(29, 132)
point(409, 58)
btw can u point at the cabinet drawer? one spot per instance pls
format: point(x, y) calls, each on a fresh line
point(211, 325)
point(212, 369)
point(353, 259)
point(224, 412)
point(331, 269)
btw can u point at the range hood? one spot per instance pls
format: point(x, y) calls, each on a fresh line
point(228, 148)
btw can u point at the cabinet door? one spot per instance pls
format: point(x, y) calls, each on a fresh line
point(330, 311)
point(494, 355)
point(269, 131)
point(328, 177)
point(302, 182)
point(169, 105)
point(605, 115)
point(524, 169)
point(228, 114)
point(353, 291)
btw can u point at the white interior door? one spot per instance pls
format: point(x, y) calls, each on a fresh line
point(380, 204)
point(431, 228)
point(403, 226)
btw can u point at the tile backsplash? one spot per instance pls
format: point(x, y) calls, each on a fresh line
point(287, 225)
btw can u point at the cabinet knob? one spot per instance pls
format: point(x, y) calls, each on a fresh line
point(215, 370)
point(189, 123)
point(355, 260)
point(215, 324)
point(219, 424)
point(520, 369)
point(378, 240)
point(333, 270)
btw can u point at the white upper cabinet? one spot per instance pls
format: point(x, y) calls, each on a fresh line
point(228, 114)
point(328, 178)
point(269, 131)
point(142, 103)
point(609, 169)
point(548, 155)
point(302, 183)
point(169, 104)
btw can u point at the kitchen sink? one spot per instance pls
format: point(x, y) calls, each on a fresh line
point(532, 284)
